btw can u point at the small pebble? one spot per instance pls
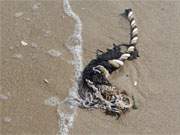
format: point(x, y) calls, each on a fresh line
point(135, 83)
point(23, 43)
point(46, 81)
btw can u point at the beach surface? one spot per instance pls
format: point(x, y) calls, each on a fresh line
point(36, 65)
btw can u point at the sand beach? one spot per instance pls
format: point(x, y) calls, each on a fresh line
point(36, 65)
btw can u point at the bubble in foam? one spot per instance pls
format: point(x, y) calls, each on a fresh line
point(52, 101)
point(66, 122)
point(66, 117)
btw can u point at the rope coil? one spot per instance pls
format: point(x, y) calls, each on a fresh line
point(95, 89)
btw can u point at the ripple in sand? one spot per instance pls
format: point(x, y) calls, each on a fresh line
point(46, 32)
point(18, 14)
point(34, 45)
point(7, 119)
point(3, 97)
point(17, 55)
point(11, 47)
point(36, 6)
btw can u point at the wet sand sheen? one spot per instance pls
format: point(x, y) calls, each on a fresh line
point(24, 77)
point(156, 72)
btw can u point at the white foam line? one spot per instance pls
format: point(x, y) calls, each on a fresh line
point(67, 113)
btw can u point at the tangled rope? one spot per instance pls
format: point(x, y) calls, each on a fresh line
point(95, 89)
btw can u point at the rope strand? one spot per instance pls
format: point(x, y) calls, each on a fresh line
point(94, 90)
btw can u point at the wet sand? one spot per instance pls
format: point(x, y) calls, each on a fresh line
point(30, 75)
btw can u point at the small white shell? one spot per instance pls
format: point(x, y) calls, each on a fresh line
point(135, 83)
point(23, 43)
point(46, 81)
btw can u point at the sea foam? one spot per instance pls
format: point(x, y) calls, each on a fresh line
point(67, 108)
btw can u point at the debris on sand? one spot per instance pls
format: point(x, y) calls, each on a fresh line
point(95, 88)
